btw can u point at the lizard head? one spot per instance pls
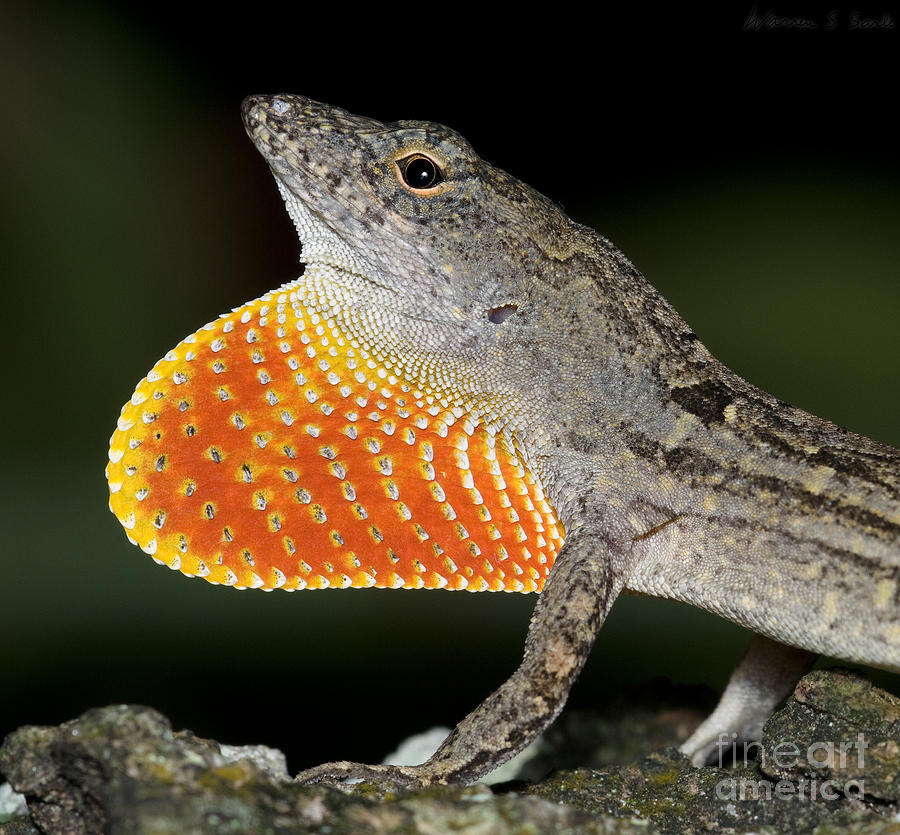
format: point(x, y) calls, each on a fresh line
point(408, 229)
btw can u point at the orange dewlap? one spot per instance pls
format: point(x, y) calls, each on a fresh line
point(269, 450)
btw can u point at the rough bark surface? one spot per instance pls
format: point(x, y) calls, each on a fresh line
point(122, 769)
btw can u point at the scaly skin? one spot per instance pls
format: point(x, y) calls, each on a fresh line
point(461, 379)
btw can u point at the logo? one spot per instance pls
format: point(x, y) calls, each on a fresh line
point(818, 756)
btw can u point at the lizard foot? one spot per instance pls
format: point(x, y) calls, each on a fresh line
point(403, 777)
point(767, 673)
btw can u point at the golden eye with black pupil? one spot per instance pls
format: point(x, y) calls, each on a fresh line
point(419, 172)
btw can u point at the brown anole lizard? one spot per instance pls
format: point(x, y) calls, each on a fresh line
point(465, 389)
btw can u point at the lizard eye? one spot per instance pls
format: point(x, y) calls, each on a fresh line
point(419, 172)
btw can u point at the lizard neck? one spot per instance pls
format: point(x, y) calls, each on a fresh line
point(626, 405)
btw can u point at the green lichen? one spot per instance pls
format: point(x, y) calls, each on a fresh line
point(122, 770)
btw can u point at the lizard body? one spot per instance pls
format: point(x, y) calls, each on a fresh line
point(466, 389)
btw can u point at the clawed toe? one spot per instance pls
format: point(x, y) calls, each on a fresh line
point(399, 776)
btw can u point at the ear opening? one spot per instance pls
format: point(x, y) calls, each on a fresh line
point(498, 315)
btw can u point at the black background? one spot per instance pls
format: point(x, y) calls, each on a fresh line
point(750, 170)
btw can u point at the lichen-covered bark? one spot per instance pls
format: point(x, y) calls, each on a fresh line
point(122, 769)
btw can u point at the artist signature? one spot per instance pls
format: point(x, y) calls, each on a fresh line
point(833, 21)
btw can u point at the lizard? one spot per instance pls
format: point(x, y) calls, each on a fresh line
point(465, 389)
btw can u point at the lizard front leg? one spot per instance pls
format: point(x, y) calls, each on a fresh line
point(586, 578)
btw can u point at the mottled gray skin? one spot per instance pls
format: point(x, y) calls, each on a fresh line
point(672, 475)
